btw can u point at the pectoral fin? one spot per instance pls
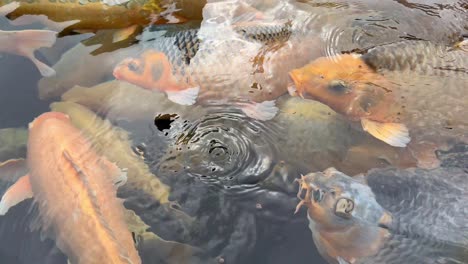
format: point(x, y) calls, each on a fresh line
point(262, 111)
point(124, 33)
point(394, 134)
point(17, 193)
point(184, 97)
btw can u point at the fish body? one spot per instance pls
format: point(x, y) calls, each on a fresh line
point(114, 144)
point(26, 42)
point(384, 88)
point(75, 193)
point(78, 67)
point(92, 15)
point(389, 215)
point(249, 65)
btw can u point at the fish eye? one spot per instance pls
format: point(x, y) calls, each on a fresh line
point(344, 207)
point(338, 87)
point(133, 66)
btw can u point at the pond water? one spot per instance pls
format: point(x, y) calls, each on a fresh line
point(225, 117)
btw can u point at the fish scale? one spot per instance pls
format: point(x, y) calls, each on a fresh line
point(421, 56)
point(215, 64)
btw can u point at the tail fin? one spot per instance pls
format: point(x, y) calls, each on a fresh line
point(28, 41)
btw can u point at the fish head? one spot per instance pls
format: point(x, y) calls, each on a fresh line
point(345, 83)
point(48, 116)
point(151, 70)
point(130, 70)
point(343, 214)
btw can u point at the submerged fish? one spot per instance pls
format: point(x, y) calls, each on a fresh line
point(386, 90)
point(115, 145)
point(98, 15)
point(389, 215)
point(13, 142)
point(249, 67)
point(75, 192)
point(78, 67)
point(116, 101)
point(26, 42)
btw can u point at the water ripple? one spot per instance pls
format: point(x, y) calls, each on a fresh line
point(223, 148)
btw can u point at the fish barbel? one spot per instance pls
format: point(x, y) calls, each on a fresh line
point(75, 190)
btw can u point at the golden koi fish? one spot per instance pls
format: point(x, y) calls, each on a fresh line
point(114, 144)
point(75, 191)
point(96, 15)
point(395, 89)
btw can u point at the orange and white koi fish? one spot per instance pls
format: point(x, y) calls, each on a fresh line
point(75, 190)
point(190, 70)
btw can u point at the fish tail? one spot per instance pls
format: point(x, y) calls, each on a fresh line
point(28, 41)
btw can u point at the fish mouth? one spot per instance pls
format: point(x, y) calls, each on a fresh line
point(293, 84)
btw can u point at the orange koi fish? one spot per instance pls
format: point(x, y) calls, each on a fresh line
point(350, 87)
point(75, 190)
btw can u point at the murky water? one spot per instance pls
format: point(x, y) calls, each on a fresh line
point(215, 118)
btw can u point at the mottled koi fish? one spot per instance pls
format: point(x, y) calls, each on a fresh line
point(249, 68)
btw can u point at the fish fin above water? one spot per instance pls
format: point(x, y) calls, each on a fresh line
point(18, 192)
point(262, 111)
point(30, 40)
point(184, 97)
point(123, 34)
point(8, 8)
point(394, 134)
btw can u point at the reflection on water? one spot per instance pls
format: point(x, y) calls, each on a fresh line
point(214, 109)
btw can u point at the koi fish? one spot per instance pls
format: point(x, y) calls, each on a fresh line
point(190, 70)
point(383, 88)
point(75, 190)
point(98, 15)
point(116, 101)
point(26, 42)
point(388, 215)
point(115, 145)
